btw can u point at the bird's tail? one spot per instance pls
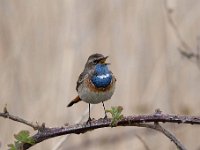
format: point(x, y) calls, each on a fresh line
point(76, 100)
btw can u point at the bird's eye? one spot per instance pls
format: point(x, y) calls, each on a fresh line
point(95, 61)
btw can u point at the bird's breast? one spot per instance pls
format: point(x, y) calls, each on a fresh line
point(89, 92)
point(102, 80)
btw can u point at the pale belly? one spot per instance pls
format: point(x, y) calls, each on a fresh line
point(94, 97)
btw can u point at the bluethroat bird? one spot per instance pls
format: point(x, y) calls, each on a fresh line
point(96, 83)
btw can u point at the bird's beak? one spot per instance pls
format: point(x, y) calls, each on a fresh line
point(103, 61)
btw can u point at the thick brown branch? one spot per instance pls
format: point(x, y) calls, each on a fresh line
point(140, 120)
point(149, 121)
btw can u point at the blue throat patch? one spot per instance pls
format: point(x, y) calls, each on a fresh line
point(102, 77)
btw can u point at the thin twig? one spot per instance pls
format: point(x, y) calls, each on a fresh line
point(175, 28)
point(171, 136)
point(6, 114)
point(186, 50)
point(159, 128)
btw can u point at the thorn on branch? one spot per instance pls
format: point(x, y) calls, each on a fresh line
point(40, 127)
point(5, 111)
point(158, 112)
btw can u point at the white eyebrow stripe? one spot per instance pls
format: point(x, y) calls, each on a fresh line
point(103, 76)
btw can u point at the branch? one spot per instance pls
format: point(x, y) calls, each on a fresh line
point(169, 12)
point(140, 121)
point(186, 50)
point(159, 128)
point(171, 136)
point(6, 114)
point(148, 121)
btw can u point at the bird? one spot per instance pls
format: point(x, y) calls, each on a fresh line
point(96, 83)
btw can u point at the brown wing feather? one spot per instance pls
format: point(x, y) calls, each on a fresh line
point(80, 79)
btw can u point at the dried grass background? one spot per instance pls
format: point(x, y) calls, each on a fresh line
point(43, 48)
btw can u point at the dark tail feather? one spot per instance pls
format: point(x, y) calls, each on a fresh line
point(76, 100)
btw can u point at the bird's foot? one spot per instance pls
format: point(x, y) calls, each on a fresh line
point(89, 121)
point(105, 117)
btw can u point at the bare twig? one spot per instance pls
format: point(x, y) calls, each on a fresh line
point(6, 114)
point(159, 128)
point(186, 50)
point(171, 136)
point(175, 28)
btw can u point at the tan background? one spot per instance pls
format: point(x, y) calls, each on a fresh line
point(43, 48)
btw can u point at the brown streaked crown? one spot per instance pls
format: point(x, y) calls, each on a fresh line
point(94, 59)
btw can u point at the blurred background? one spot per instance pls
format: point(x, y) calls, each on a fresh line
point(45, 44)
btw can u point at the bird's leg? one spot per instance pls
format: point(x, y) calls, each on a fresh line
point(104, 111)
point(89, 119)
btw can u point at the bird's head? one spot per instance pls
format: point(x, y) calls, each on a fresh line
point(95, 59)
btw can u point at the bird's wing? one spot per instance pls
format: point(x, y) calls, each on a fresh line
point(113, 77)
point(82, 76)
